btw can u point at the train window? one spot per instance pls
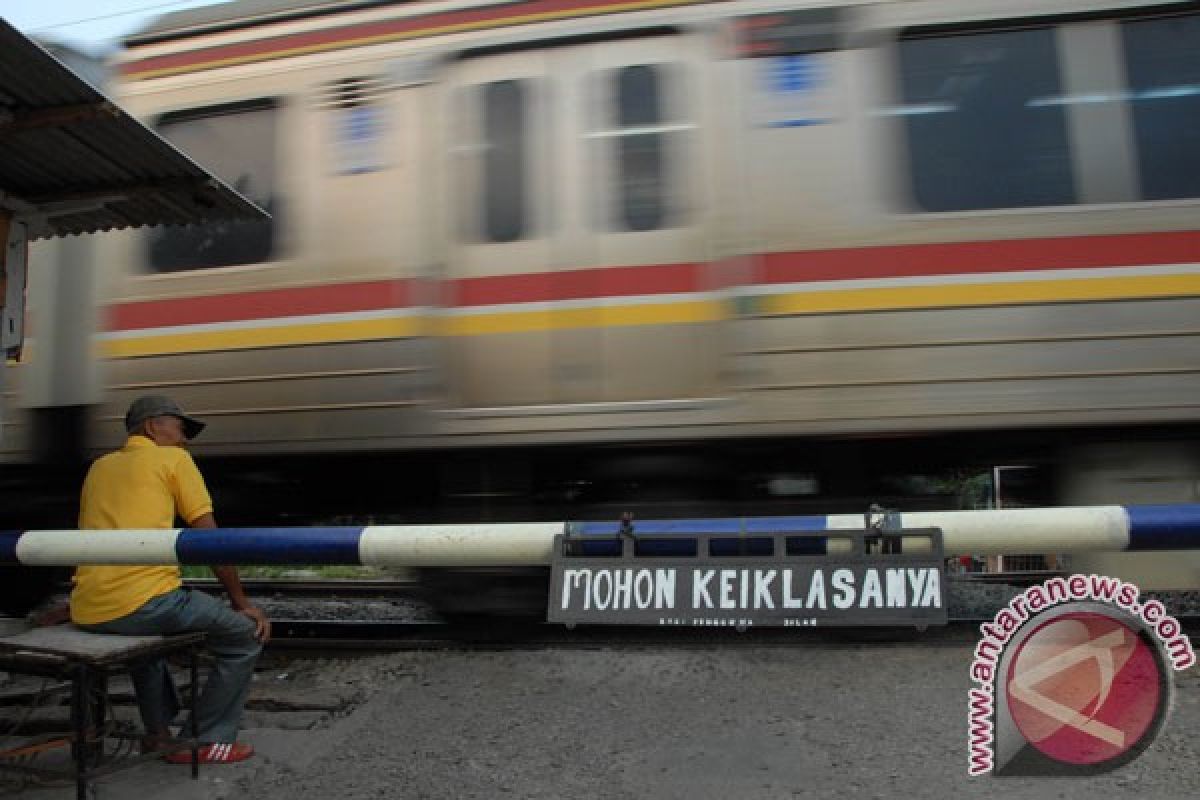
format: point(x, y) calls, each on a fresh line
point(641, 201)
point(639, 136)
point(980, 132)
point(1163, 65)
point(238, 144)
point(505, 138)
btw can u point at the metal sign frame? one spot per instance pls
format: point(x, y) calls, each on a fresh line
point(836, 578)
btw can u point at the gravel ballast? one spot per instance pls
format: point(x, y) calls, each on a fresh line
point(814, 720)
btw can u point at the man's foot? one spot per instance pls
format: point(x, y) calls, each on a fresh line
point(152, 744)
point(161, 742)
point(215, 753)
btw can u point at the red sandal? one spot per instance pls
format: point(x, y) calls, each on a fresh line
point(215, 753)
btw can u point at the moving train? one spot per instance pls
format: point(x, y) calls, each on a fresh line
point(552, 259)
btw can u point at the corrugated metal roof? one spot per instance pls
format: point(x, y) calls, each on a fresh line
point(71, 161)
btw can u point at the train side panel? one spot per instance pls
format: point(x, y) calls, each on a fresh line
point(885, 299)
point(323, 344)
point(922, 218)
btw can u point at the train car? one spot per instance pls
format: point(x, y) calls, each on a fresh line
point(541, 257)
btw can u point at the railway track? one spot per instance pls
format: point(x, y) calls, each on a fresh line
point(324, 614)
point(354, 635)
point(337, 588)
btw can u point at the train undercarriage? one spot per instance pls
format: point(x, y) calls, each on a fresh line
point(718, 478)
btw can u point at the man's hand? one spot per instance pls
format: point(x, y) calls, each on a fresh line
point(55, 614)
point(228, 576)
point(262, 625)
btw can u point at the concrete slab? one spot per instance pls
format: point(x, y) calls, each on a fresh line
point(277, 751)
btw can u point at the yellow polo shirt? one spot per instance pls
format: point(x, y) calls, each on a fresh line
point(139, 486)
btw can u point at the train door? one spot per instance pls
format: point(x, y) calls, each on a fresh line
point(577, 257)
point(503, 233)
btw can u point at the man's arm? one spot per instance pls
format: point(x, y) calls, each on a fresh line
point(228, 576)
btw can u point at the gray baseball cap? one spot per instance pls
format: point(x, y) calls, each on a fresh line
point(158, 405)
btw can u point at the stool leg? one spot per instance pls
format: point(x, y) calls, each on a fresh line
point(98, 709)
point(80, 711)
point(195, 689)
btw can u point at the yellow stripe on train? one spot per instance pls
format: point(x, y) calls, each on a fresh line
point(593, 317)
point(978, 294)
point(245, 338)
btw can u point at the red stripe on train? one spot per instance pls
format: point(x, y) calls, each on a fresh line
point(576, 284)
point(1006, 255)
point(266, 304)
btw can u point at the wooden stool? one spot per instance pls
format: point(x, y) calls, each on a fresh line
point(64, 652)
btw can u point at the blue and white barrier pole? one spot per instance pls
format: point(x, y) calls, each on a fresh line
point(1002, 532)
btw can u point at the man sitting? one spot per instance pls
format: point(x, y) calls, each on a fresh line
point(146, 485)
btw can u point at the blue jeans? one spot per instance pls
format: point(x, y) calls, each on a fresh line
point(230, 638)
